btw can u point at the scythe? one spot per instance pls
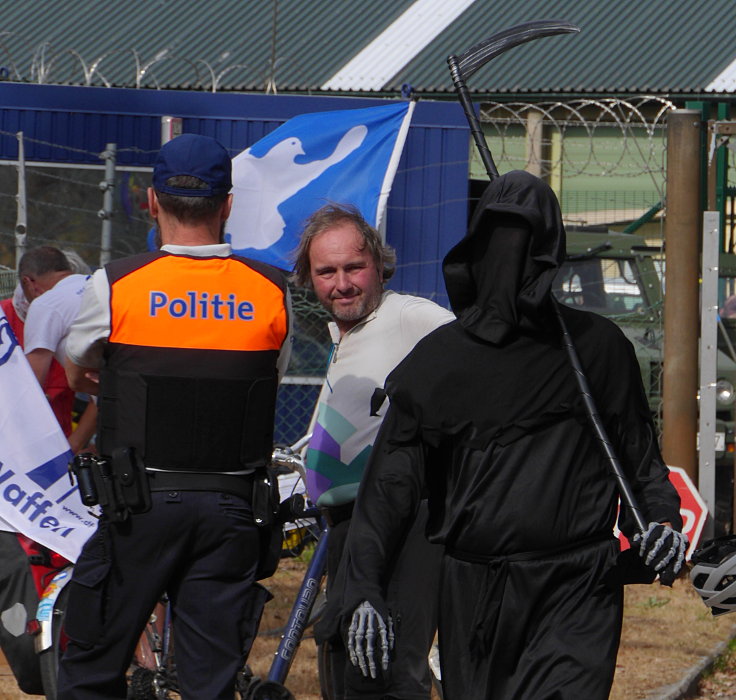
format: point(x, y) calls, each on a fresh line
point(461, 68)
point(465, 65)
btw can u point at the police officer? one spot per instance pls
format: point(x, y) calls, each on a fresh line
point(188, 342)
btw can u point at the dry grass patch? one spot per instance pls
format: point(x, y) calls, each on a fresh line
point(666, 632)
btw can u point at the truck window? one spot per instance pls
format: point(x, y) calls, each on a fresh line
point(602, 285)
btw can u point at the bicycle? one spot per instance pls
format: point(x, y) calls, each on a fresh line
point(302, 613)
point(295, 509)
point(152, 674)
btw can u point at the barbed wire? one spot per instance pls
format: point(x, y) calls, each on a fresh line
point(52, 176)
point(67, 207)
point(430, 166)
point(64, 147)
point(639, 150)
point(135, 149)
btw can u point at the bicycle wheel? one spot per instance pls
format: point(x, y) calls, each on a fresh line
point(143, 683)
point(324, 670)
point(140, 684)
point(49, 658)
point(152, 674)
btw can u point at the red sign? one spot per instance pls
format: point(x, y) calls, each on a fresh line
point(693, 510)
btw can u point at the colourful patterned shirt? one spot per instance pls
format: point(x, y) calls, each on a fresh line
point(343, 429)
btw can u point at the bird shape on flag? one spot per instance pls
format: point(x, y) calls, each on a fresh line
point(260, 185)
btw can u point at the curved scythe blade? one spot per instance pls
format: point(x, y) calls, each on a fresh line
point(462, 67)
point(479, 54)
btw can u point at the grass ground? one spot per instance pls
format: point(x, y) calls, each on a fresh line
point(666, 632)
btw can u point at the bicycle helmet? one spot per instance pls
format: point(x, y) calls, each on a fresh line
point(713, 574)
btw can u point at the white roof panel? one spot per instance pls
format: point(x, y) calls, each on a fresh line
point(396, 45)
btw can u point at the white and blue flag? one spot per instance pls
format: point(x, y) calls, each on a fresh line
point(346, 156)
point(36, 496)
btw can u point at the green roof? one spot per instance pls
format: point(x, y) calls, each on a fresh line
point(345, 46)
point(624, 46)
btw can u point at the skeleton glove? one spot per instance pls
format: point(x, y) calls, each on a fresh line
point(662, 549)
point(365, 625)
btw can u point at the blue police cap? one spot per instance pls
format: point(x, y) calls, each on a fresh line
point(199, 156)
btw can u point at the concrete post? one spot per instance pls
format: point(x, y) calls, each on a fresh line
point(21, 221)
point(681, 319)
point(106, 213)
point(537, 150)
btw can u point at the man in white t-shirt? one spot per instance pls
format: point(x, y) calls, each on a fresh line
point(55, 294)
point(343, 259)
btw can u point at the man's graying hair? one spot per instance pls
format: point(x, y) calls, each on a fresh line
point(189, 209)
point(326, 218)
point(39, 261)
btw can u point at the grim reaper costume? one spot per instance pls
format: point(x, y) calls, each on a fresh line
point(486, 416)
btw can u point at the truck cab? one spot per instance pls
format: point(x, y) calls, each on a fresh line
point(620, 276)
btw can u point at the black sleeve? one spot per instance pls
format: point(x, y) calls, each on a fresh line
point(385, 509)
point(631, 431)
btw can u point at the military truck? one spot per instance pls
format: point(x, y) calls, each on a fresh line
point(620, 276)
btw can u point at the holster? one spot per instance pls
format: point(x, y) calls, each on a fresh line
point(266, 499)
point(120, 484)
point(129, 476)
point(265, 504)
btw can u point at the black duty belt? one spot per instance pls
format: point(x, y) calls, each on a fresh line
point(202, 481)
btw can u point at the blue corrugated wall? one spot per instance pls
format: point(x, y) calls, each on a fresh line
point(427, 209)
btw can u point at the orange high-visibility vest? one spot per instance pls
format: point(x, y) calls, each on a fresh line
point(190, 374)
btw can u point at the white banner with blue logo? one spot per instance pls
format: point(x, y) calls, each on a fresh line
point(36, 497)
point(346, 156)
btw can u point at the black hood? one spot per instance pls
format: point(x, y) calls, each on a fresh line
point(499, 276)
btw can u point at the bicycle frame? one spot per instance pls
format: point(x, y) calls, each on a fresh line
point(300, 611)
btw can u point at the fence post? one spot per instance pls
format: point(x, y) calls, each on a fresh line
point(21, 227)
point(543, 148)
point(681, 325)
point(708, 362)
point(537, 151)
point(108, 187)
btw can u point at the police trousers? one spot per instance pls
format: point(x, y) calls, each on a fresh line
point(199, 547)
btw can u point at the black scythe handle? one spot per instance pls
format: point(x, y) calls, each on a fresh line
point(474, 58)
point(464, 95)
point(627, 495)
point(479, 54)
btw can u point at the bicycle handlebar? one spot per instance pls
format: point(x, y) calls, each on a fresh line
point(289, 456)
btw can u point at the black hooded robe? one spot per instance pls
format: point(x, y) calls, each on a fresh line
point(486, 416)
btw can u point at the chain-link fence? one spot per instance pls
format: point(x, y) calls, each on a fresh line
point(309, 353)
point(604, 158)
point(63, 209)
point(7, 282)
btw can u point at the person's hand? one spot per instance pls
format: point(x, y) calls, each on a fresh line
point(76, 444)
point(662, 549)
point(365, 623)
